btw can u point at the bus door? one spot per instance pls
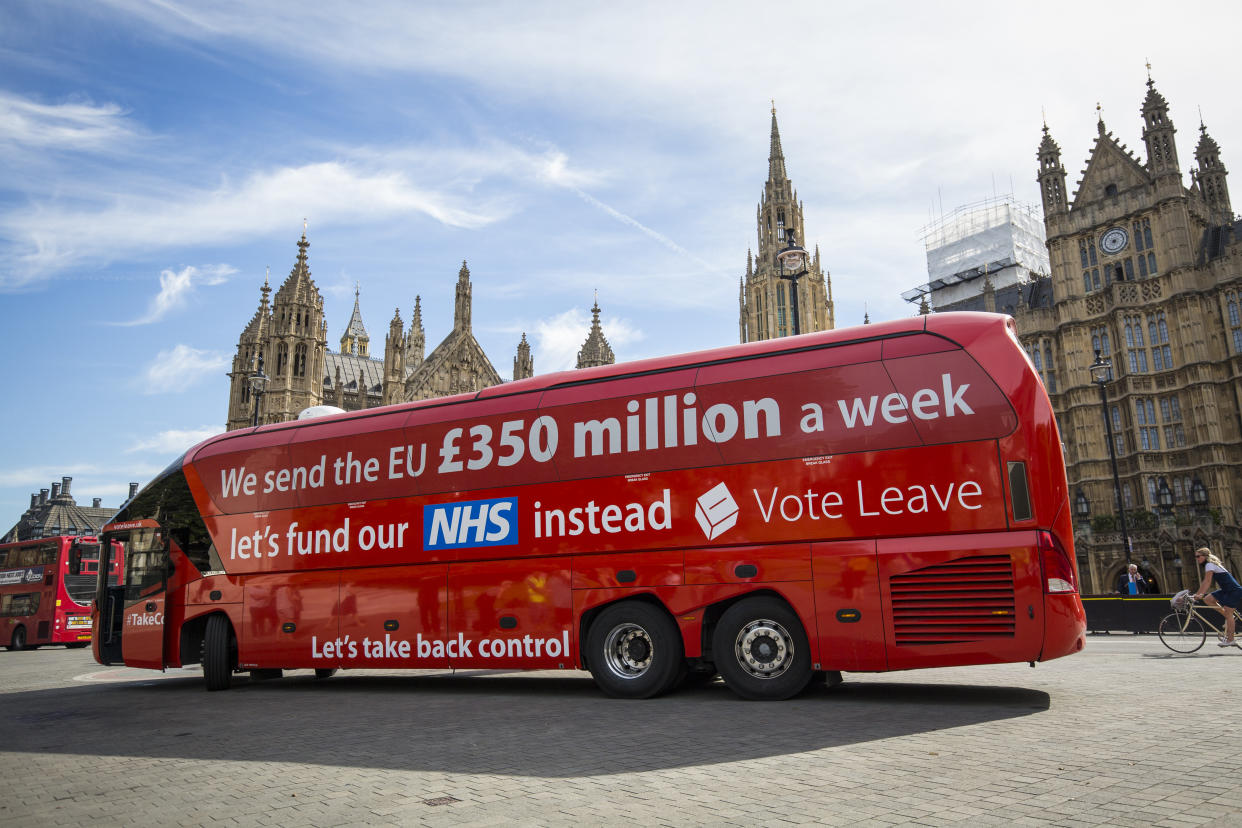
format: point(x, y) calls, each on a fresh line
point(132, 613)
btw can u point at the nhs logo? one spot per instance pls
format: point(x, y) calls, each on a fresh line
point(470, 523)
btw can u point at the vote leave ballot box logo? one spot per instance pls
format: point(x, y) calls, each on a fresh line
point(470, 523)
point(716, 511)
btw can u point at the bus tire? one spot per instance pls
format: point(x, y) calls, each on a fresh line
point(219, 653)
point(18, 641)
point(761, 650)
point(634, 651)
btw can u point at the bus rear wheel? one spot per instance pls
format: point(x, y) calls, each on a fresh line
point(761, 650)
point(18, 641)
point(219, 653)
point(634, 651)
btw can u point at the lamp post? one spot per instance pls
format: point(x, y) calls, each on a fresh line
point(793, 267)
point(258, 384)
point(1099, 373)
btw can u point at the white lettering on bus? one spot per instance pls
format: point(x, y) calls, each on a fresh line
point(893, 406)
point(657, 426)
point(632, 517)
point(894, 501)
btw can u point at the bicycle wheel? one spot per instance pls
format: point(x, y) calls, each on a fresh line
point(1181, 634)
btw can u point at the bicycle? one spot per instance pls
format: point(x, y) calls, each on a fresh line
point(1185, 629)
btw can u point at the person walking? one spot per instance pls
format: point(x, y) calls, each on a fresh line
point(1228, 594)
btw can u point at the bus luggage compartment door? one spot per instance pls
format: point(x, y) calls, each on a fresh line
point(142, 632)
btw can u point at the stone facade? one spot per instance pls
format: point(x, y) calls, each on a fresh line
point(1148, 273)
point(765, 299)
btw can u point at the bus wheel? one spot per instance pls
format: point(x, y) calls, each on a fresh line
point(18, 641)
point(761, 650)
point(634, 651)
point(325, 672)
point(219, 653)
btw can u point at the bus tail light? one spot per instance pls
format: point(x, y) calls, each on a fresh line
point(1059, 575)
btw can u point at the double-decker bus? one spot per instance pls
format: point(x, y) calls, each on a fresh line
point(46, 589)
point(877, 498)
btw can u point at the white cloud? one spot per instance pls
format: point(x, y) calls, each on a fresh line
point(48, 239)
point(74, 126)
point(174, 441)
point(180, 368)
point(175, 289)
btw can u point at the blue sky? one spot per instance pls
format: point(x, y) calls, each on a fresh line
point(156, 157)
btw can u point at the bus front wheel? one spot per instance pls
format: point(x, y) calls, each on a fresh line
point(761, 650)
point(219, 653)
point(18, 641)
point(634, 651)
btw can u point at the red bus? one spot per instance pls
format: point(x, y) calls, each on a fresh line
point(879, 498)
point(46, 589)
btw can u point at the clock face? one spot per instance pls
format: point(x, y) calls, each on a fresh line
point(1114, 240)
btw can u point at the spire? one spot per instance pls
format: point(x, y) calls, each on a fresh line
point(1158, 132)
point(461, 308)
point(596, 350)
point(416, 339)
point(1212, 176)
point(776, 158)
point(355, 339)
point(523, 363)
point(1051, 174)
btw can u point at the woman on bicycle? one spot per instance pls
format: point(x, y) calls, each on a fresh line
point(1228, 594)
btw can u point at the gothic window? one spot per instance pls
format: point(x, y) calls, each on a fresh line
point(1082, 252)
point(299, 361)
point(1158, 335)
point(780, 225)
point(1050, 378)
point(1110, 190)
point(1142, 266)
point(282, 358)
point(1091, 253)
point(1145, 419)
point(1235, 322)
point(1151, 264)
point(1129, 265)
point(1136, 349)
point(1126, 496)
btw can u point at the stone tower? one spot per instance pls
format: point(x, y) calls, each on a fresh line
point(1146, 273)
point(523, 362)
point(289, 342)
point(596, 350)
point(766, 297)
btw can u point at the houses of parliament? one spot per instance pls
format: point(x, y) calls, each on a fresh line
point(1145, 271)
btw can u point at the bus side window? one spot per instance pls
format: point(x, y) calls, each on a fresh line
point(75, 561)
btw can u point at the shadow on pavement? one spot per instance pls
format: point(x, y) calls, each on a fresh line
point(504, 724)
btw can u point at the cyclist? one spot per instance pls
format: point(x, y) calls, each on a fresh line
point(1228, 594)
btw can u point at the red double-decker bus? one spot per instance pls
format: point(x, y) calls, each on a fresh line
point(878, 498)
point(46, 589)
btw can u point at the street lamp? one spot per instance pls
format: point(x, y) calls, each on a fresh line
point(1165, 497)
point(1099, 373)
point(258, 384)
point(793, 261)
point(1198, 495)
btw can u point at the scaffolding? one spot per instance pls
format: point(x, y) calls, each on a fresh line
point(999, 237)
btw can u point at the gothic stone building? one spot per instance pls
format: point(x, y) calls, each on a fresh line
point(766, 294)
point(1146, 272)
point(288, 340)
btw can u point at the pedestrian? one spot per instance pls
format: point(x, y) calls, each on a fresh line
point(1132, 582)
point(1228, 594)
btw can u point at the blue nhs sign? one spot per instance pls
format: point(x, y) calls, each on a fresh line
point(470, 523)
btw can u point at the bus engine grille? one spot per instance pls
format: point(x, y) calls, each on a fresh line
point(964, 600)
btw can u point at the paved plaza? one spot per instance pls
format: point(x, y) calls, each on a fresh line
point(1125, 733)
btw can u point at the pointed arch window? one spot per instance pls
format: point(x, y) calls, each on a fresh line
point(299, 361)
point(1235, 320)
point(282, 359)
